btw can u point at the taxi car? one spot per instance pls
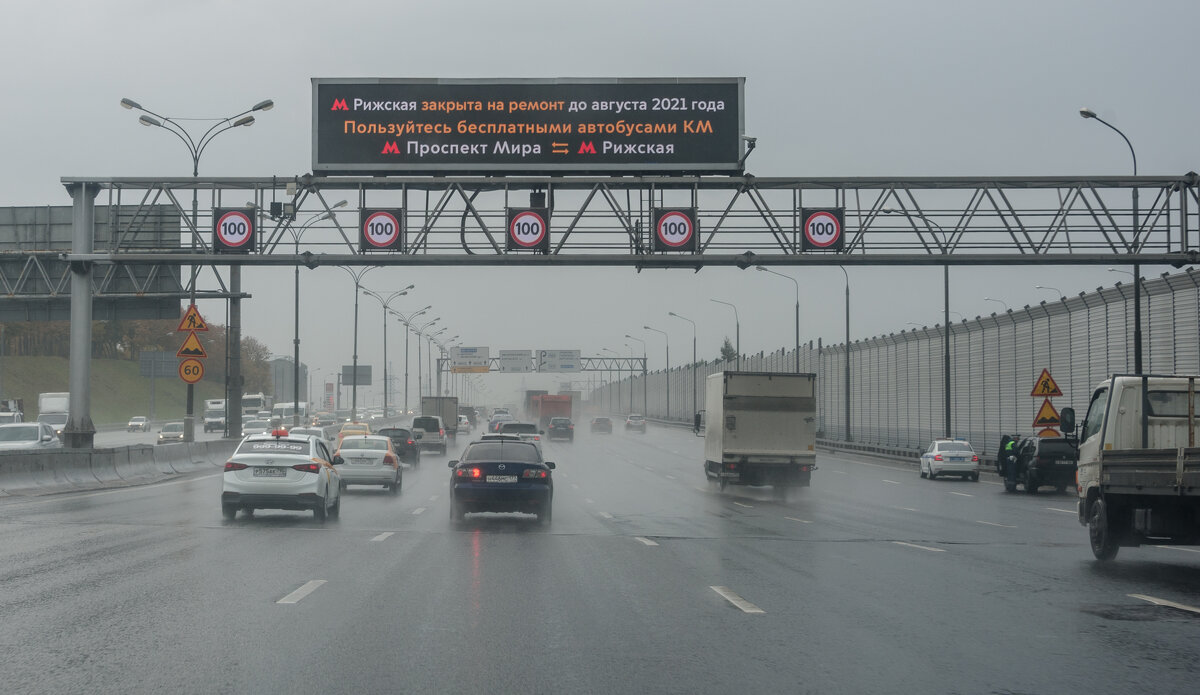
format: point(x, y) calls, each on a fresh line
point(279, 471)
point(501, 475)
point(950, 457)
point(349, 428)
point(369, 459)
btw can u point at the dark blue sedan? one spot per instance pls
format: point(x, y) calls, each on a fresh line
point(501, 476)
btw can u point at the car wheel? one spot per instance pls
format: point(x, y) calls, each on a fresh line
point(932, 475)
point(229, 511)
point(975, 477)
point(336, 510)
point(1101, 533)
point(319, 512)
point(921, 466)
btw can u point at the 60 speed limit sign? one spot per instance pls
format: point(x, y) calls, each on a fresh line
point(528, 230)
point(675, 229)
point(380, 230)
point(233, 230)
point(823, 228)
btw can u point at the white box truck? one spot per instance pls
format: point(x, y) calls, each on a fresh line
point(214, 415)
point(1139, 463)
point(761, 429)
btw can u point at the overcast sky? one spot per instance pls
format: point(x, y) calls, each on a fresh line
point(914, 88)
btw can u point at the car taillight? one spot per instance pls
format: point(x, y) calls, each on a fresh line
point(410, 441)
point(468, 473)
point(307, 467)
point(389, 459)
point(231, 466)
point(975, 458)
point(570, 427)
point(537, 438)
point(937, 457)
point(535, 473)
point(442, 432)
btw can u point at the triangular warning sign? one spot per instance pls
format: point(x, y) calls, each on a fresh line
point(192, 321)
point(1049, 433)
point(1047, 416)
point(1045, 386)
point(191, 348)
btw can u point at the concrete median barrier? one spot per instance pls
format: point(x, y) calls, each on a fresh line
point(136, 463)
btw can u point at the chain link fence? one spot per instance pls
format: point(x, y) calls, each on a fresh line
point(897, 390)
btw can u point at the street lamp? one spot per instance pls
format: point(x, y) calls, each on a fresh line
point(1046, 287)
point(998, 301)
point(357, 275)
point(738, 328)
point(667, 342)
point(407, 321)
point(196, 147)
point(384, 303)
point(1137, 267)
point(296, 234)
point(429, 362)
point(421, 334)
point(610, 379)
point(695, 364)
point(645, 376)
point(797, 284)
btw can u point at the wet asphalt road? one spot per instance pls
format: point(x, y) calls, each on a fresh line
point(871, 581)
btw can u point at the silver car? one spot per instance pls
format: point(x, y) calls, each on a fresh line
point(368, 459)
point(950, 457)
point(28, 436)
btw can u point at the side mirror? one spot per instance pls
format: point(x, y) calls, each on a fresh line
point(452, 464)
point(338, 460)
point(542, 432)
point(550, 465)
point(1066, 420)
point(47, 437)
point(417, 435)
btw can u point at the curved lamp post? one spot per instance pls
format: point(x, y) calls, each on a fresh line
point(385, 304)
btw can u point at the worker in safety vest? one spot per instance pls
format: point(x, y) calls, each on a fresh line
point(1008, 459)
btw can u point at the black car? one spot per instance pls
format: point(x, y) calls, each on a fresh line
point(501, 476)
point(405, 444)
point(561, 428)
point(1044, 462)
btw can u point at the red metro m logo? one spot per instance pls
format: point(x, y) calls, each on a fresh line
point(339, 105)
point(390, 148)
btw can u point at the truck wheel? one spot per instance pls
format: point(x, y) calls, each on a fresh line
point(1100, 532)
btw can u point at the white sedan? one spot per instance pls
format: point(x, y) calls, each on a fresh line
point(278, 471)
point(28, 435)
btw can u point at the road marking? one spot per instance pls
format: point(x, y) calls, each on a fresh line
point(922, 547)
point(1064, 511)
point(839, 472)
point(700, 489)
point(1175, 547)
point(961, 494)
point(589, 500)
point(1165, 602)
point(893, 482)
point(747, 506)
point(131, 488)
point(670, 477)
point(433, 499)
point(574, 486)
point(606, 515)
point(792, 518)
point(907, 509)
point(418, 510)
point(299, 594)
point(739, 602)
point(384, 536)
point(993, 524)
point(644, 541)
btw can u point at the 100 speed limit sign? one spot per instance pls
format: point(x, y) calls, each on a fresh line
point(823, 229)
point(233, 230)
point(675, 229)
point(379, 230)
point(527, 229)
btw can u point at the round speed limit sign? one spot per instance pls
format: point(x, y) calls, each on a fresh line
point(381, 229)
point(527, 229)
point(234, 229)
point(191, 370)
point(822, 229)
point(675, 229)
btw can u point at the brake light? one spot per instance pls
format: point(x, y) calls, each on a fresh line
point(442, 431)
point(570, 427)
point(975, 458)
point(307, 468)
point(468, 473)
point(389, 459)
point(731, 466)
point(231, 466)
point(938, 457)
point(535, 473)
point(279, 433)
point(537, 438)
point(410, 441)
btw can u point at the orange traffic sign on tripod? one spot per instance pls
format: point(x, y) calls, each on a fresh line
point(192, 321)
point(1045, 386)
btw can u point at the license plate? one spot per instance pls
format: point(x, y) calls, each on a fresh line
point(266, 472)
point(360, 462)
point(1064, 462)
point(501, 479)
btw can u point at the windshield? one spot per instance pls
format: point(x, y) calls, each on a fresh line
point(19, 433)
point(519, 428)
point(173, 427)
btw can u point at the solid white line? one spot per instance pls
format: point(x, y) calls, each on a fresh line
point(299, 594)
point(131, 488)
point(739, 602)
point(644, 541)
point(1165, 602)
point(992, 524)
point(606, 515)
point(1175, 547)
point(792, 518)
point(747, 506)
point(922, 547)
point(961, 494)
point(1064, 511)
point(418, 510)
point(893, 482)
point(384, 536)
point(907, 509)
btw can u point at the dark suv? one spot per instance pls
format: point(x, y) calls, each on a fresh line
point(561, 428)
point(1045, 461)
point(405, 443)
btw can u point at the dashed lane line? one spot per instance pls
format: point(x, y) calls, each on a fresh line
point(747, 506)
point(384, 536)
point(644, 541)
point(907, 509)
point(990, 523)
point(606, 515)
point(433, 498)
point(737, 601)
point(920, 547)
point(298, 595)
point(1064, 511)
point(589, 500)
point(893, 482)
point(962, 494)
point(792, 518)
point(1175, 547)
point(418, 510)
point(1165, 602)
